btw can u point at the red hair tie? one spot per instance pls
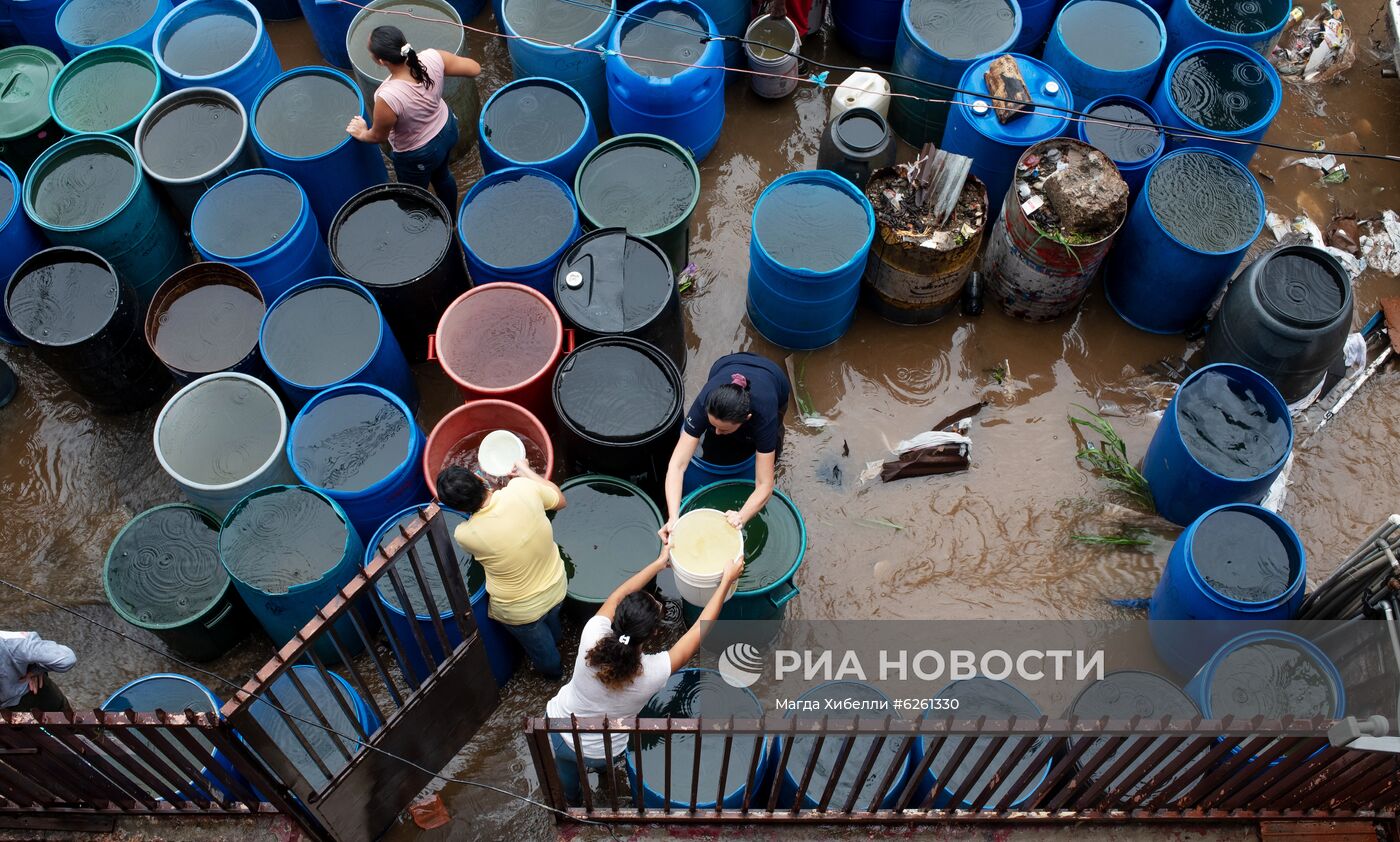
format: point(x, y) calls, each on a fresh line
point(739, 380)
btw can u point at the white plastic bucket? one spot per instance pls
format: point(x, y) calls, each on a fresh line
point(697, 588)
point(770, 87)
point(862, 89)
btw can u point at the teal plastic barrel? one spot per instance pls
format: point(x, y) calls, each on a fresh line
point(289, 550)
point(218, 44)
point(555, 36)
point(83, 25)
point(19, 240)
point(162, 575)
point(26, 126)
point(644, 183)
point(107, 90)
point(89, 191)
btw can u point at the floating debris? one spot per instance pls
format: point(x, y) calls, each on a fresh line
point(1316, 49)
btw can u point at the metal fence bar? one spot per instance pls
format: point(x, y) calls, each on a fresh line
point(808, 770)
point(414, 628)
point(1338, 785)
point(106, 788)
point(865, 766)
point(695, 768)
point(51, 771)
point(159, 779)
point(444, 551)
point(132, 792)
point(723, 766)
point(355, 724)
point(161, 741)
point(1012, 760)
point(843, 754)
point(382, 615)
point(434, 613)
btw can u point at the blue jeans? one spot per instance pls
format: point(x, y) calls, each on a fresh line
point(567, 766)
point(540, 640)
point(427, 165)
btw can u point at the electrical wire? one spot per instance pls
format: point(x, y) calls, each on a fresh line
point(1069, 114)
point(239, 687)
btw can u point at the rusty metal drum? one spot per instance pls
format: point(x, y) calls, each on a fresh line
point(1035, 275)
point(910, 284)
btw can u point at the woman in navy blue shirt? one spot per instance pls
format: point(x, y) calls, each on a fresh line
point(738, 414)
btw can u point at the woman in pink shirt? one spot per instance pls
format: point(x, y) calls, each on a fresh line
point(410, 113)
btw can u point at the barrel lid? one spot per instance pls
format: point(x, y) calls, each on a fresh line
point(643, 183)
point(1272, 675)
point(556, 22)
point(164, 691)
point(472, 574)
point(421, 22)
point(87, 23)
point(1046, 86)
point(332, 697)
point(1303, 286)
point(283, 537)
point(163, 569)
point(390, 235)
point(617, 390)
point(605, 534)
point(612, 282)
point(26, 74)
point(775, 540)
point(105, 89)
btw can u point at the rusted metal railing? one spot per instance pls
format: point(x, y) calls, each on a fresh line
point(1042, 769)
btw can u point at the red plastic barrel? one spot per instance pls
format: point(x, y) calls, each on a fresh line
point(501, 341)
point(476, 419)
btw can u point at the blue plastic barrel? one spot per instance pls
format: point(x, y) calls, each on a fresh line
point(542, 24)
point(502, 652)
point(309, 331)
point(298, 124)
point(175, 693)
point(1184, 594)
point(920, 122)
point(336, 453)
point(1284, 675)
point(731, 18)
point(1036, 19)
point(246, 75)
point(136, 234)
point(484, 224)
point(700, 473)
point(1239, 144)
point(294, 249)
point(36, 22)
point(799, 307)
point(524, 107)
point(1090, 81)
point(1157, 282)
point(289, 549)
point(1185, 27)
point(1134, 171)
point(329, 20)
point(685, 105)
point(998, 701)
point(20, 238)
point(275, 9)
point(994, 147)
point(9, 33)
point(303, 720)
point(1182, 487)
point(868, 27)
point(84, 25)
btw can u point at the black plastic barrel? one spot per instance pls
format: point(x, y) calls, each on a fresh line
point(611, 283)
point(87, 326)
point(1287, 317)
point(397, 240)
point(855, 144)
point(619, 403)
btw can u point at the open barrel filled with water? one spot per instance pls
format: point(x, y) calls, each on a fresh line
point(162, 574)
point(857, 142)
point(1223, 439)
point(691, 693)
point(1104, 47)
point(645, 184)
point(19, 240)
point(514, 224)
point(1219, 90)
point(84, 25)
point(1186, 232)
point(666, 78)
point(1126, 130)
point(85, 324)
point(327, 331)
point(396, 239)
point(222, 437)
point(811, 234)
point(611, 283)
point(1253, 24)
point(27, 127)
point(299, 124)
point(218, 44)
point(190, 140)
point(310, 748)
point(618, 401)
point(458, 436)
point(537, 122)
point(998, 701)
point(502, 652)
point(548, 31)
point(205, 319)
point(1287, 317)
point(107, 90)
point(1235, 562)
point(937, 41)
point(605, 534)
point(290, 549)
point(89, 191)
point(1122, 695)
point(360, 446)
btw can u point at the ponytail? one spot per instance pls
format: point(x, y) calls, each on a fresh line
point(617, 658)
point(388, 43)
point(731, 401)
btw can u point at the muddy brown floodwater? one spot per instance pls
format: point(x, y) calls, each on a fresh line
point(992, 542)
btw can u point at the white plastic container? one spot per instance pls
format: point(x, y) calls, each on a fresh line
point(766, 29)
point(697, 586)
point(499, 452)
point(862, 89)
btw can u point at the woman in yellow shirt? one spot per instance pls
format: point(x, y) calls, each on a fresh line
point(509, 534)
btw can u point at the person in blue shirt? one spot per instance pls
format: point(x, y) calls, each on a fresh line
point(738, 414)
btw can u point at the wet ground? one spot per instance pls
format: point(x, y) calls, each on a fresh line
point(992, 542)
